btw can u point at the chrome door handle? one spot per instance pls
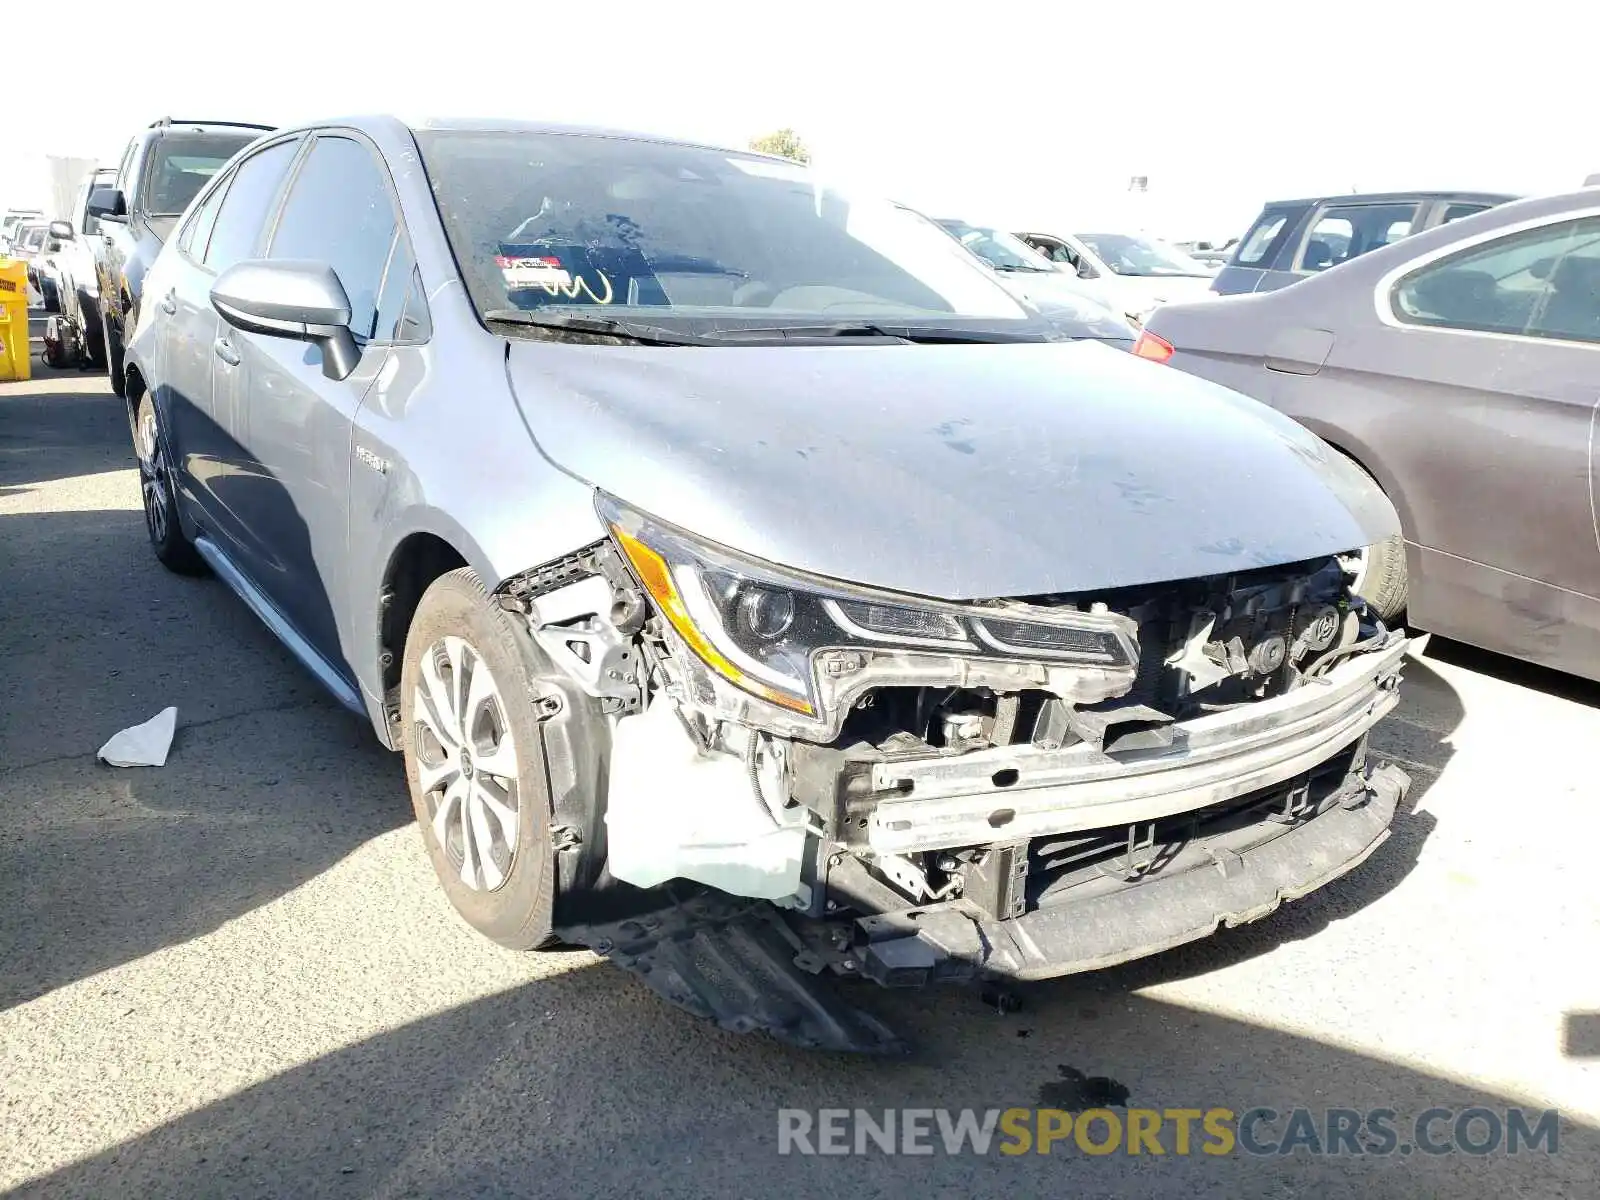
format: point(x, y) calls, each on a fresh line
point(169, 303)
point(226, 352)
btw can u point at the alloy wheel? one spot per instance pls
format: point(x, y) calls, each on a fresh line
point(466, 763)
point(153, 478)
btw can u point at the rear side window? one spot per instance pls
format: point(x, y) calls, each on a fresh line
point(339, 212)
point(1347, 231)
point(1265, 238)
point(1541, 282)
point(250, 200)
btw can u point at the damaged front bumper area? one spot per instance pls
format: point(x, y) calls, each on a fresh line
point(1193, 757)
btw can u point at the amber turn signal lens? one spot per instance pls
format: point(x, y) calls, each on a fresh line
point(1153, 347)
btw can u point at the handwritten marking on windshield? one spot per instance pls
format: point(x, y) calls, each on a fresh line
point(551, 277)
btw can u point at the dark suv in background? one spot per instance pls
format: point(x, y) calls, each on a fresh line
point(1295, 238)
point(161, 170)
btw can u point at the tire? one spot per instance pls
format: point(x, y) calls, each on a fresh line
point(486, 832)
point(1381, 569)
point(94, 332)
point(173, 549)
point(1381, 580)
point(51, 296)
point(113, 353)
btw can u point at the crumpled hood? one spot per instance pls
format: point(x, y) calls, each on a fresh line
point(951, 471)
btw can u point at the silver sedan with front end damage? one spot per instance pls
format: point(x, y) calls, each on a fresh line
point(759, 593)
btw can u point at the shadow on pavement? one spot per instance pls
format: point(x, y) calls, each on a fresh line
point(50, 434)
point(1580, 1035)
point(1515, 671)
point(269, 782)
point(511, 1096)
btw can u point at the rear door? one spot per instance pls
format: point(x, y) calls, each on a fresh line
point(188, 327)
point(1490, 357)
point(211, 426)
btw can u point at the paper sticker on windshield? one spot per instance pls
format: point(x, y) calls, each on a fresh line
point(532, 272)
point(767, 169)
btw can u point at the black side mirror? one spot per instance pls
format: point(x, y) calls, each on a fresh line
point(107, 203)
point(290, 298)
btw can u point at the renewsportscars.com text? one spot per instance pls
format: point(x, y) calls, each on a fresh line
point(1375, 1132)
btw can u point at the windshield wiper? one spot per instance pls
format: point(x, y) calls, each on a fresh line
point(606, 327)
point(921, 335)
point(1021, 267)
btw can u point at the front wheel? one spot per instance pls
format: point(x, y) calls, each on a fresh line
point(1380, 577)
point(475, 760)
point(94, 332)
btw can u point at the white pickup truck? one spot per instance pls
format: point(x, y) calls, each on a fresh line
point(75, 332)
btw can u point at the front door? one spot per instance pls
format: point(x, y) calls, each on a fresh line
point(339, 210)
point(1492, 359)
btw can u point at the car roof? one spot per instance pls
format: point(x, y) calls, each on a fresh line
point(1394, 197)
point(375, 122)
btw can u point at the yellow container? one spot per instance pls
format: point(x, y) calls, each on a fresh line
point(14, 357)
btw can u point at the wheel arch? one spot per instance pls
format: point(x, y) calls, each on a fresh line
point(417, 559)
point(133, 388)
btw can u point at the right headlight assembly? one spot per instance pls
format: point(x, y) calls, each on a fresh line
point(760, 626)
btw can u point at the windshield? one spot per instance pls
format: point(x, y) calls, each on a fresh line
point(1128, 255)
point(180, 164)
point(688, 238)
point(1001, 250)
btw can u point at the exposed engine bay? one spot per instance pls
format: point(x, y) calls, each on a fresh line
point(912, 791)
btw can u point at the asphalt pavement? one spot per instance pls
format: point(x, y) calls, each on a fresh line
point(234, 976)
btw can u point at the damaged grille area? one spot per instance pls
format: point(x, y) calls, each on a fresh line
point(1205, 646)
point(1098, 861)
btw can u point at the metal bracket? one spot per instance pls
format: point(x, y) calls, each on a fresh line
point(564, 837)
point(572, 625)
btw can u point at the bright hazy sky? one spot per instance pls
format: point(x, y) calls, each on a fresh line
point(1027, 114)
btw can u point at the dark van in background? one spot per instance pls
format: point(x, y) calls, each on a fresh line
point(1295, 238)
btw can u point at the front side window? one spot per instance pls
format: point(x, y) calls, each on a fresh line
point(1129, 255)
point(1001, 250)
point(183, 163)
point(123, 168)
point(339, 212)
point(691, 238)
point(250, 200)
point(1058, 252)
point(1542, 282)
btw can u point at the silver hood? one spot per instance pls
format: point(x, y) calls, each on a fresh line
point(958, 472)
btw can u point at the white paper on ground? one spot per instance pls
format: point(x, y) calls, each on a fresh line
point(142, 745)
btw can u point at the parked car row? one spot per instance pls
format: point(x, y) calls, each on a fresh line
point(1456, 367)
point(746, 572)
